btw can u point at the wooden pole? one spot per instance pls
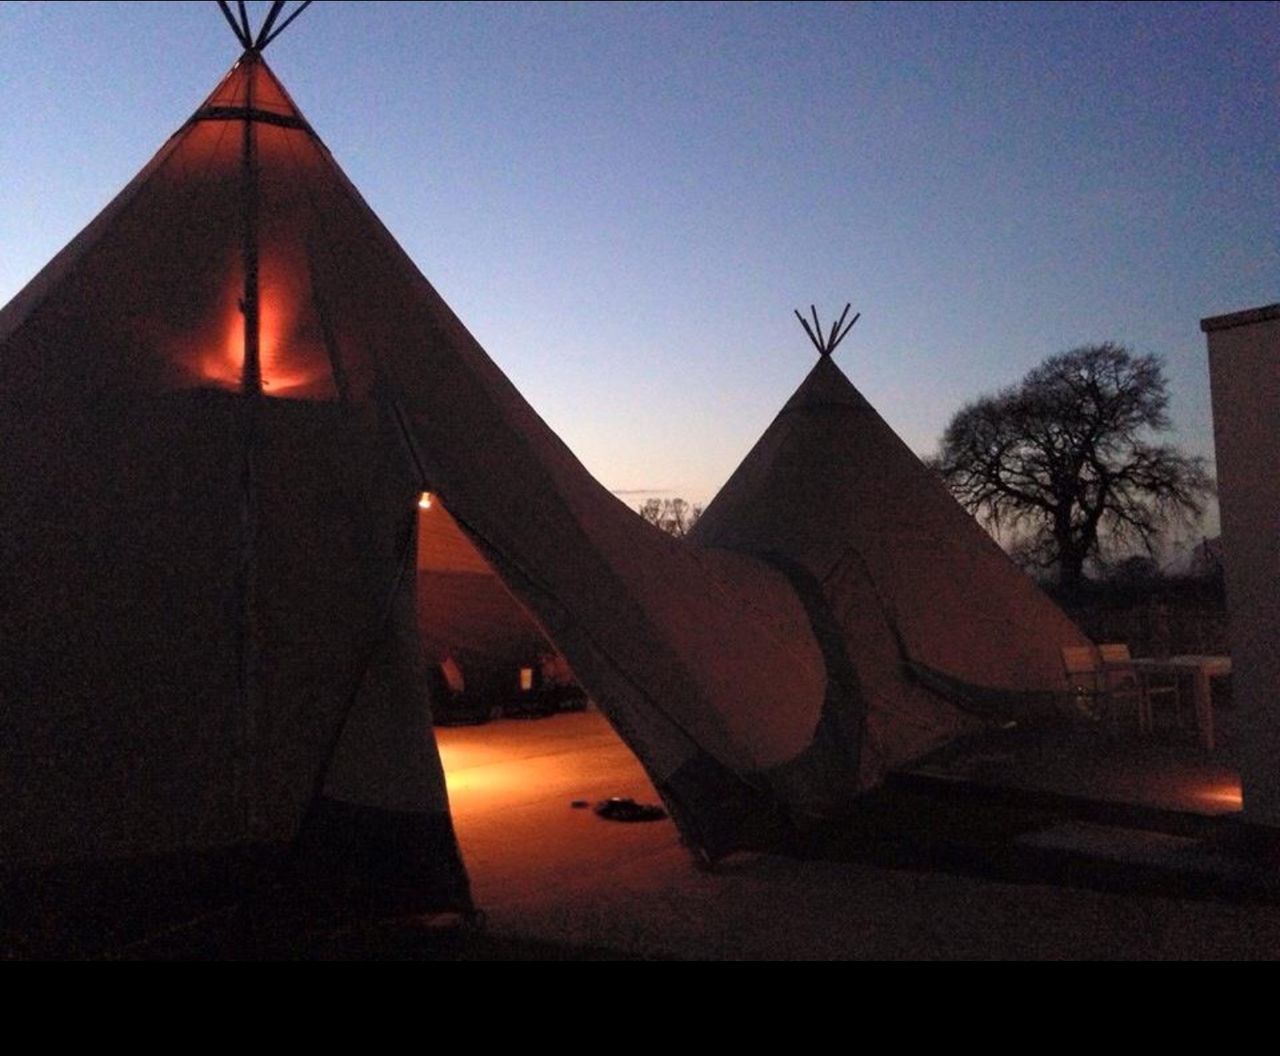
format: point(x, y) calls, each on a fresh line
point(826, 343)
point(244, 23)
point(225, 8)
point(265, 31)
point(286, 23)
point(251, 394)
point(816, 343)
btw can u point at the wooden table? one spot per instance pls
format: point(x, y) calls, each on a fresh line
point(1201, 669)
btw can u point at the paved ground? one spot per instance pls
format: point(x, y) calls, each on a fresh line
point(1058, 844)
point(971, 877)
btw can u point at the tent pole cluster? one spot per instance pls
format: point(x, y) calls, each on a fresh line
point(240, 26)
point(826, 343)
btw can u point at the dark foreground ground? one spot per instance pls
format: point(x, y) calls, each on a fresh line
point(1055, 844)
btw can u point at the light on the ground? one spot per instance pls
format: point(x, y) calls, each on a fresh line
point(479, 775)
point(1224, 794)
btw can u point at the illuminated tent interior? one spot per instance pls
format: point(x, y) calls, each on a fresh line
point(219, 405)
point(466, 613)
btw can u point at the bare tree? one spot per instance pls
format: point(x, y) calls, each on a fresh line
point(674, 516)
point(1066, 457)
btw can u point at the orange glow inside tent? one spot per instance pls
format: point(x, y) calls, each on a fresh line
point(292, 358)
point(466, 612)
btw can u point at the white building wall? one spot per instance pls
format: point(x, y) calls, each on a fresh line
point(1244, 372)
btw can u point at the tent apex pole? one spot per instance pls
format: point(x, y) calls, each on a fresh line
point(225, 8)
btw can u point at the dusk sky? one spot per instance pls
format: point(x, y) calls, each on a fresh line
point(625, 202)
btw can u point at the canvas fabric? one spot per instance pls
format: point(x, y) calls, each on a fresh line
point(209, 629)
point(940, 626)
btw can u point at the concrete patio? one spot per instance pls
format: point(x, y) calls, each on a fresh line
point(946, 873)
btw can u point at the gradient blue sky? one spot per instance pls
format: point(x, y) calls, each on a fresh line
point(624, 202)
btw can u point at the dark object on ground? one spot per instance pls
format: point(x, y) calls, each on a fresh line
point(547, 700)
point(618, 808)
point(462, 713)
point(534, 708)
point(579, 804)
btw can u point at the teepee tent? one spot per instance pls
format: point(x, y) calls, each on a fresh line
point(218, 406)
point(207, 622)
point(936, 622)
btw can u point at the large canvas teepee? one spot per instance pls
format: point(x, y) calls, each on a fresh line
point(207, 620)
point(935, 620)
point(218, 406)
